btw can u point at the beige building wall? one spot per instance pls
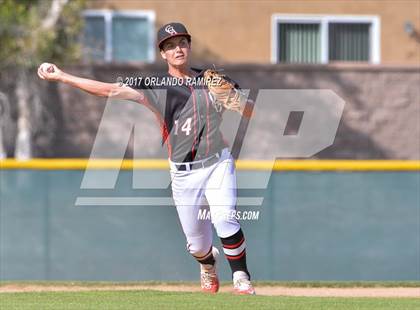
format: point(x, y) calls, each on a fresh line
point(240, 31)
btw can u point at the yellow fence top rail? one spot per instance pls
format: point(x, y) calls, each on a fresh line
point(161, 164)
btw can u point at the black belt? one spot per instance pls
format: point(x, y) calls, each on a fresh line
point(207, 162)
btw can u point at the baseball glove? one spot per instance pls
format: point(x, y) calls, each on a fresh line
point(223, 92)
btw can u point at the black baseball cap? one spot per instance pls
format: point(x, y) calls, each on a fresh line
point(171, 30)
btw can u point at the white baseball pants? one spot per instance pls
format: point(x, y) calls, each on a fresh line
point(199, 191)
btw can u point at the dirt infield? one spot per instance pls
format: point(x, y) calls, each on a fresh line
point(382, 292)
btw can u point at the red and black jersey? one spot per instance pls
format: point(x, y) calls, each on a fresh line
point(189, 120)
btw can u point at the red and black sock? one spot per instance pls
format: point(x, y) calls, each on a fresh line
point(207, 259)
point(234, 249)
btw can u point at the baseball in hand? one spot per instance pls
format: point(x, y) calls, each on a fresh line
point(46, 67)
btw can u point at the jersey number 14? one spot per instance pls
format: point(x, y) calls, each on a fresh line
point(186, 127)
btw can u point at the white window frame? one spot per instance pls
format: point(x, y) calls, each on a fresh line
point(108, 16)
point(323, 21)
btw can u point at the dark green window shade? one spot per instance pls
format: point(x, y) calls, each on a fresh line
point(130, 39)
point(349, 42)
point(299, 43)
point(94, 38)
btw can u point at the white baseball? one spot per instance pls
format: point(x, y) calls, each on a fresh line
point(46, 67)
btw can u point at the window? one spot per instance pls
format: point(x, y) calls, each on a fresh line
point(119, 36)
point(299, 43)
point(323, 39)
point(348, 42)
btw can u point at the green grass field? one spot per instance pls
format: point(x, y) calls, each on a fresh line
point(153, 299)
point(149, 299)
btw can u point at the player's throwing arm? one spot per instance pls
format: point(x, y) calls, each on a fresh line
point(51, 72)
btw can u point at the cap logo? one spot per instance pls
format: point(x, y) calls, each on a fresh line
point(170, 29)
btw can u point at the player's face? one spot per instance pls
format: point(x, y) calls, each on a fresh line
point(176, 51)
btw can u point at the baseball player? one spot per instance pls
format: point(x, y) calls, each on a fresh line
point(201, 166)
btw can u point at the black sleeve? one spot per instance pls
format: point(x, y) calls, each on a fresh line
point(148, 91)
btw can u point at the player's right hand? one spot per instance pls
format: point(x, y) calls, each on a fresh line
point(50, 72)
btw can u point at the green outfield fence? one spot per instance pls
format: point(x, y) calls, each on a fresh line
point(320, 220)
